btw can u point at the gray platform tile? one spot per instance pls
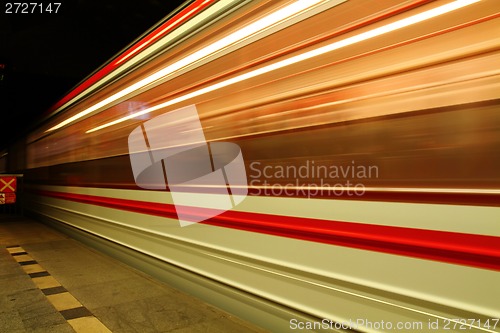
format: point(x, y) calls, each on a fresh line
point(44, 322)
point(10, 320)
point(117, 292)
point(23, 231)
point(72, 253)
point(66, 249)
point(54, 245)
point(9, 299)
point(7, 264)
point(155, 314)
point(29, 311)
point(90, 275)
point(32, 303)
point(59, 328)
point(221, 325)
point(14, 283)
point(76, 266)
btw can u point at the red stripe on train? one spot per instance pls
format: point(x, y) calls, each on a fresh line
point(473, 250)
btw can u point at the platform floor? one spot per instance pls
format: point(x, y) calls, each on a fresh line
point(51, 283)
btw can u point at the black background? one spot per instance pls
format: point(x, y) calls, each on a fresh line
point(44, 56)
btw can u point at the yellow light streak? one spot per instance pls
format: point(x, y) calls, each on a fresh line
point(298, 58)
point(237, 36)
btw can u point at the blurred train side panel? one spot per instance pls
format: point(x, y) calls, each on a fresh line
point(396, 99)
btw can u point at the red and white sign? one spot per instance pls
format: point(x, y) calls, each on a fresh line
point(8, 184)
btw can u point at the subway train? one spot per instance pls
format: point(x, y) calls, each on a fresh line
point(304, 165)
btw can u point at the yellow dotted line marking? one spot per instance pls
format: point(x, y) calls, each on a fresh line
point(78, 316)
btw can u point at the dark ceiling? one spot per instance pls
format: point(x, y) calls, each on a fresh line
point(44, 55)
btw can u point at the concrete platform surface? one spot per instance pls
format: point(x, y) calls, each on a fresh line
point(51, 283)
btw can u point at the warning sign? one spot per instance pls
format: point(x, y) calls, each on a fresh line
point(8, 184)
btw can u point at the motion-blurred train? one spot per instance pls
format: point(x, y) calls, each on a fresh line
point(369, 139)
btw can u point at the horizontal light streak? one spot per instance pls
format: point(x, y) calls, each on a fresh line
point(105, 73)
point(351, 188)
point(164, 30)
point(237, 36)
point(301, 57)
